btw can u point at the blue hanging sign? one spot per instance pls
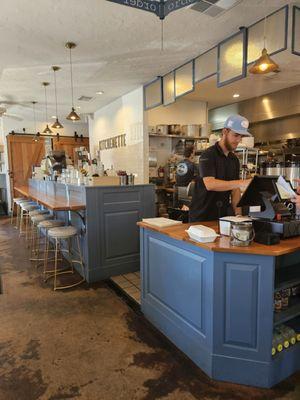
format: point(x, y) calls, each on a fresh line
point(160, 8)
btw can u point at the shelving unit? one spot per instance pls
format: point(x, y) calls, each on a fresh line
point(178, 137)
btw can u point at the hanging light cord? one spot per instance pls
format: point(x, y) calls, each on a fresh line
point(162, 35)
point(55, 93)
point(46, 104)
point(265, 25)
point(71, 77)
point(34, 116)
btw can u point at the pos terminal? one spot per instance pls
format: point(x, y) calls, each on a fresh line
point(269, 207)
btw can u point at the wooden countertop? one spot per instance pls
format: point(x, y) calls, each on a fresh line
point(222, 243)
point(54, 203)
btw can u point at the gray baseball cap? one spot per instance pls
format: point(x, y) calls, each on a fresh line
point(238, 124)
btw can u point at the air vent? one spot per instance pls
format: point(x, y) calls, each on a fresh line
point(214, 8)
point(85, 98)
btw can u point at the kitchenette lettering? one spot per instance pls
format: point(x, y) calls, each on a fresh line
point(113, 142)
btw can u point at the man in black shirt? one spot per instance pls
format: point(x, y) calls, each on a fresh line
point(185, 169)
point(217, 189)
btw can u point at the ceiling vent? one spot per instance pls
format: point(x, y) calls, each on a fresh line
point(214, 8)
point(85, 98)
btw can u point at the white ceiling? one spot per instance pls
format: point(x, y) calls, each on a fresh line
point(118, 47)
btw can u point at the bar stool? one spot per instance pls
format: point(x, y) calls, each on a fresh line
point(60, 234)
point(18, 204)
point(45, 225)
point(35, 220)
point(25, 208)
point(14, 203)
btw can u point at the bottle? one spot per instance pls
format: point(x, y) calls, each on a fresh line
point(285, 336)
point(276, 343)
point(161, 172)
point(277, 302)
point(284, 299)
point(290, 333)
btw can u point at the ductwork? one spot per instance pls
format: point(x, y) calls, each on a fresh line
point(273, 116)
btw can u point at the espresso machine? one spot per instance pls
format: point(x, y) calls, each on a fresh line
point(56, 161)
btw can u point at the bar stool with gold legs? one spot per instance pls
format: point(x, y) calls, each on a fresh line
point(42, 228)
point(18, 204)
point(58, 235)
point(34, 237)
point(25, 208)
point(14, 205)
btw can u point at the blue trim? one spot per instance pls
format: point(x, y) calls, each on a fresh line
point(213, 73)
point(161, 93)
point(193, 78)
point(297, 53)
point(242, 32)
point(171, 102)
point(286, 31)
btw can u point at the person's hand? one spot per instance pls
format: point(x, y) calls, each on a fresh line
point(296, 200)
point(298, 185)
point(244, 184)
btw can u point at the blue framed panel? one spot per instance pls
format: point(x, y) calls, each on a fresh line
point(238, 52)
point(169, 88)
point(188, 69)
point(285, 12)
point(296, 31)
point(212, 56)
point(153, 94)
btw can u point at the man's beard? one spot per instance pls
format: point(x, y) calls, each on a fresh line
point(228, 146)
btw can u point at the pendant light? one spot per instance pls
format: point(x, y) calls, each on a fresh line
point(73, 116)
point(57, 124)
point(47, 129)
point(264, 64)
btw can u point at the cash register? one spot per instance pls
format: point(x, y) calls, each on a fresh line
point(270, 208)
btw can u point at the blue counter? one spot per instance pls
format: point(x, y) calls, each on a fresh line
point(217, 307)
point(108, 229)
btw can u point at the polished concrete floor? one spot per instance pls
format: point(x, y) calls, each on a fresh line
point(88, 343)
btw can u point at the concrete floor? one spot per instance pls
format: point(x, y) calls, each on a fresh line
point(88, 344)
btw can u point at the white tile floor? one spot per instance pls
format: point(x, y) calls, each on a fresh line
point(130, 284)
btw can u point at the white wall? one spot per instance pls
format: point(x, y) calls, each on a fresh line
point(123, 116)
point(181, 112)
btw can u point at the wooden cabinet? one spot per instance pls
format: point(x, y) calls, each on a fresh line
point(68, 144)
point(23, 153)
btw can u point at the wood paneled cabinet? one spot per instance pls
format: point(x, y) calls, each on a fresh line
point(69, 144)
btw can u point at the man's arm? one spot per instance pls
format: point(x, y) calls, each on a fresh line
point(218, 185)
point(235, 198)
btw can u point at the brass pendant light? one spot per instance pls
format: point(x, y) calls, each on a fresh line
point(57, 124)
point(73, 116)
point(264, 64)
point(47, 129)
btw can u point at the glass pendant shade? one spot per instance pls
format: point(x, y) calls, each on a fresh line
point(73, 116)
point(47, 129)
point(264, 64)
point(57, 125)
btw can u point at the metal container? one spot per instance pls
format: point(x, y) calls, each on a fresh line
point(152, 159)
point(191, 130)
point(292, 172)
point(241, 233)
point(130, 179)
point(123, 180)
point(174, 129)
point(162, 129)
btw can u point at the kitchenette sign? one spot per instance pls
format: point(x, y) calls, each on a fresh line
point(113, 142)
point(161, 8)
